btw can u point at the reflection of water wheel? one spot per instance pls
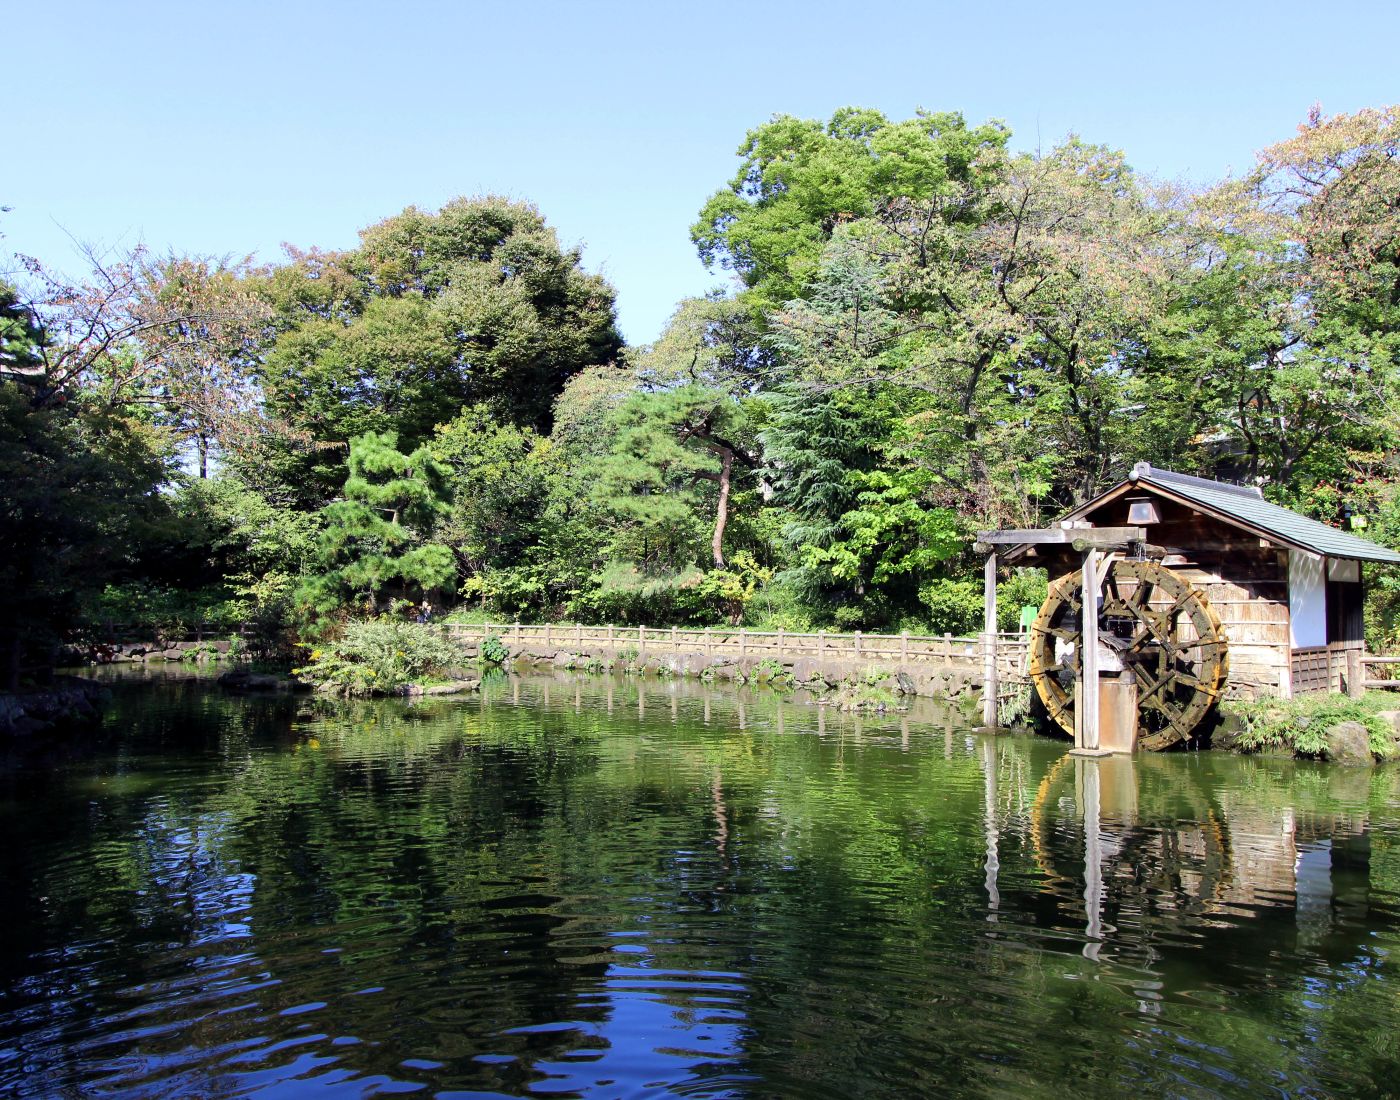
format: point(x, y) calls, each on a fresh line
point(1162, 628)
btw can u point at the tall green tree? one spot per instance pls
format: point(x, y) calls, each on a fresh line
point(78, 487)
point(800, 179)
point(377, 534)
point(475, 304)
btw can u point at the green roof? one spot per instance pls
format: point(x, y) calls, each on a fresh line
point(1246, 506)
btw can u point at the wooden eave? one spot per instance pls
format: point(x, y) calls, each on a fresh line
point(1123, 487)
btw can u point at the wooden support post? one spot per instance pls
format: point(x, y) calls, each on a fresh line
point(989, 640)
point(1356, 668)
point(904, 647)
point(709, 644)
point(1088, 702)
point(857, 643)
point(546, 633)
point(641, 641)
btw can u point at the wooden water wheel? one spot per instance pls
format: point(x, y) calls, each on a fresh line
point(1159, 625)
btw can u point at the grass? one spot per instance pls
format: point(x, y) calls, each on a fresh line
point(1300, 725)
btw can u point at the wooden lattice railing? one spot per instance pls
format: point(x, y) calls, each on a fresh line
point(1340, 666)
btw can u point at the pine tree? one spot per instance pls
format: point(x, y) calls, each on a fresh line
point(375, 534)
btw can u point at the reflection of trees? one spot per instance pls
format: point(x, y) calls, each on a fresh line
point(456, 878)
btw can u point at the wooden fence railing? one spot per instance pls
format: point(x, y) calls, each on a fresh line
point(1340, 666)
point(139, 632)
point(944, 649)
point(1387, 664)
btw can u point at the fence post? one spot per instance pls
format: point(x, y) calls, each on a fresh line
point(547, 633)
point(709, 644)
point(515, 634)
point(904, 646)
point(821, 642)
point(578, 636)
point(641, 641)
point(673, 639)
point(743, 644)
point(1356, 672)
point(611, 628)
point(780, 643)
point(857, 643)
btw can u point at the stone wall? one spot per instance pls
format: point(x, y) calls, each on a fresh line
point(129, 652)
point(939, 681)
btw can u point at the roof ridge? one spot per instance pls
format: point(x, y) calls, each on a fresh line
point(1144, 471)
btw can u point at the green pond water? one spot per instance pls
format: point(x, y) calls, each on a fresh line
point(605, 887)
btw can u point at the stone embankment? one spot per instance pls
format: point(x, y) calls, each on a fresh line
point(67, 701)
point(936, 666)
point(155, 651)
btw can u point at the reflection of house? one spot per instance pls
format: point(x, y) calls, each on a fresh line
point(1288, 589)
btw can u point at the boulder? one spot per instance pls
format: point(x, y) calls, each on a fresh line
point(458, 688)
point(68, 700)
point(1228, 730)
point(246, 680)
point(1391, 718)
point(693, 664)
point(1349, 743)
point(904, 683)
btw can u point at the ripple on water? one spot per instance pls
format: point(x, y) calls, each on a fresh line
point(646, 889)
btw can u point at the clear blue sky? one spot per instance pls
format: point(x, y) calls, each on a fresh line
point(216, 127)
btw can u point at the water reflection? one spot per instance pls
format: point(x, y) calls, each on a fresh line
point(604, 886)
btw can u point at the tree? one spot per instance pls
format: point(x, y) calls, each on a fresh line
point(801, 179)
point(77, 487)
point(861, 524)
point(377, 533)
point(171, 335)
point(668, 443)
point(476, 304)
point(502, 479)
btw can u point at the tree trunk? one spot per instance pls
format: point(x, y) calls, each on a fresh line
point(722, 508)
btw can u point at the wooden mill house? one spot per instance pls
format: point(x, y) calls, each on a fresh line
point(1287, 589)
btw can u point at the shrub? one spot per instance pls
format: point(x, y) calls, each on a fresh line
point(620, 593)
point(380, 657)
point(1024, 588)
point(493, 651)
point(777, 606)
point(954, 607)
point(1300, 725)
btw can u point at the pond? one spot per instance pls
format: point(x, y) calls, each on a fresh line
point(610, 887)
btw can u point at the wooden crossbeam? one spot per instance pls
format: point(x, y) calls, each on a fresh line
point(1097, 537)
